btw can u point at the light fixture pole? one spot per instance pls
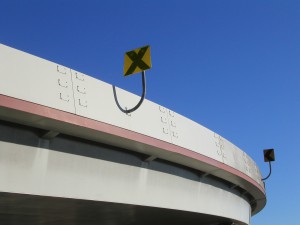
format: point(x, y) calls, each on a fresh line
point(269, 156)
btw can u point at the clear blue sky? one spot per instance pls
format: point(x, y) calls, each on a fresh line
point(232, 66)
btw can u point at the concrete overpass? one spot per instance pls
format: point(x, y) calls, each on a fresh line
point(68, 155)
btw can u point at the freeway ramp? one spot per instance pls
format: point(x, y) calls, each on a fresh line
point(68, 155)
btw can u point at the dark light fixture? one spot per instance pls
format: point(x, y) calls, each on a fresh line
point(269, 156)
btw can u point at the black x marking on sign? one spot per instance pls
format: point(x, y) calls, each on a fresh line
point(137, 61)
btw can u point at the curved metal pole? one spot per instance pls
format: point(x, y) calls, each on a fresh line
point(139, 103)
point(269, 172)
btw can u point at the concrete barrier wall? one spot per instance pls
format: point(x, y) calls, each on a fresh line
point(43, 172)
point(36, 80)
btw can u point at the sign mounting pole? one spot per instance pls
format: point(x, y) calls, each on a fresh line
point(137, 60)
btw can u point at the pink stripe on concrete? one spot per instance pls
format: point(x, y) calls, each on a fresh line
point(47, 112)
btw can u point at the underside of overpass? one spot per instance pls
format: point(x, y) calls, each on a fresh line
point(18, 209)
point(69, 155)
point(25, 209)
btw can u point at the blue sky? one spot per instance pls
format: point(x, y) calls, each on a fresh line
point(232, 66)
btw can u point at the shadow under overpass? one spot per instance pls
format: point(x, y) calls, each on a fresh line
point(21, 209)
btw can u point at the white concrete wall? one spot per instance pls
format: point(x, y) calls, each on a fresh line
point(33, 79)
point(38, 171)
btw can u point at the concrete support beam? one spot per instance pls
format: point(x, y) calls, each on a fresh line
point(50, 134)
point(150, 158)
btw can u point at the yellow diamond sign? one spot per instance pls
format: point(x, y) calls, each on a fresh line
point(137, 60)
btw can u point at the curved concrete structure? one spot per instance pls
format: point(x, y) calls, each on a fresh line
point(68, 155)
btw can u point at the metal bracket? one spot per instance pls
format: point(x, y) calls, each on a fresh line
point(62, 83)
point(269, 156)
point(270, 172)
point(82, 103)
point(139, 103)
point(81, 89)
point(64, 98)
point(61, 69)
